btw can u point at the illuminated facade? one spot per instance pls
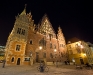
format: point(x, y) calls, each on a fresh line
point(2, 52)
point(80, 52)
point(29, 43)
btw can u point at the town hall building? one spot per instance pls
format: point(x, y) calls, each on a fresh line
point(29, 43)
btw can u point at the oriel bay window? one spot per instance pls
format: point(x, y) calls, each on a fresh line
point(21, 31)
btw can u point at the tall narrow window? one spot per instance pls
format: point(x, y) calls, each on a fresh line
point(23, 32)
point(50, 35)
point(51, 55)
point(19, 31)
point(42, 43)
point(12, 60)
point(50, 45)
point(44, 55)
point(30, 42)
point(61, 54)
point(54, 46)
point(17, 47)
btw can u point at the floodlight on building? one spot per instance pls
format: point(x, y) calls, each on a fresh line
point(40, 47)
point(84, 54)
point(55, 50)
point(81, 46)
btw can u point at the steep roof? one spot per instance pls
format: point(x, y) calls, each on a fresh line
point(45, 25)
point(74, 39)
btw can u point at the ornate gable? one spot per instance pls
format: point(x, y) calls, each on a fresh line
point(45, 26)
point(60, 35)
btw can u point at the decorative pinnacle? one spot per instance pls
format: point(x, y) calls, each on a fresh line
point(25, 6)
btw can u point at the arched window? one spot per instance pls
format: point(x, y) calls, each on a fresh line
point(12, 60)
point(30, 42)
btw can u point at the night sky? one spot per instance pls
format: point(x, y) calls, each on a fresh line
point(74, 17)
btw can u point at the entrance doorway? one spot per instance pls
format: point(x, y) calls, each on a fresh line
point(81, 60)
point(37, 57)
point(18, 61)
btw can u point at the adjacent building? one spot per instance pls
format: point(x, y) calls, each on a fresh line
point(79, 52)
point(2, 53)
point(29, 43)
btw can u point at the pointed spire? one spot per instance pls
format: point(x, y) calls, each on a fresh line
point(24, 11)
point(59, 31)
point(59, 27)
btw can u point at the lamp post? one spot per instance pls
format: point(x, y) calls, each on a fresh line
point(31, 58)
point(56, 62)
point(41, 55)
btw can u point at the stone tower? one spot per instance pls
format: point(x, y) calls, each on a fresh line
point(17, 40)
point(29, 43)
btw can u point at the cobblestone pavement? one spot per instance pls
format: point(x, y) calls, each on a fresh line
point(53, 70)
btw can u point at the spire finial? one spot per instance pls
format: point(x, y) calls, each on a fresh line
point(25, 6)
point(24, 11)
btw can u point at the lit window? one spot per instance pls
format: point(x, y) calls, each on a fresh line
point(27, 59)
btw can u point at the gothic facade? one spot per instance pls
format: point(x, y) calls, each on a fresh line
point(29, 43)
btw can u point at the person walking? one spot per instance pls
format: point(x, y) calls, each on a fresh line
point(53, 62)
point(4, 63)
point(57, 63)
